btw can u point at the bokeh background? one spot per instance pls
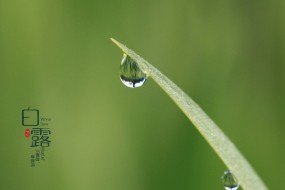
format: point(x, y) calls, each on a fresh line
point(57, 56)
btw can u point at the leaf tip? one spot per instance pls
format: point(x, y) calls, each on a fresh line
point(121, 46)
point(115, 42)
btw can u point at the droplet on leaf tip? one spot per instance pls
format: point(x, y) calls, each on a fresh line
point(229, 181)
point(130, 73)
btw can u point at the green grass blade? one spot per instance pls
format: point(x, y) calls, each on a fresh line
point(221, 144)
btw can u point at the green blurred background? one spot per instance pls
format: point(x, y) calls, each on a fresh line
point(57, 56)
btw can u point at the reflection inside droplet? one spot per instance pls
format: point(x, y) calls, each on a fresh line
point(130, 73)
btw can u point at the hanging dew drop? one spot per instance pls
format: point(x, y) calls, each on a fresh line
point(229, 180)
point(130, 73)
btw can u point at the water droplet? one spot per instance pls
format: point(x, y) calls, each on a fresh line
point(229, 180)
point(130, 73)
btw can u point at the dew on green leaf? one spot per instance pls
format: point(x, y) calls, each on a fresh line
point(130, 73)
point(229, 181)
